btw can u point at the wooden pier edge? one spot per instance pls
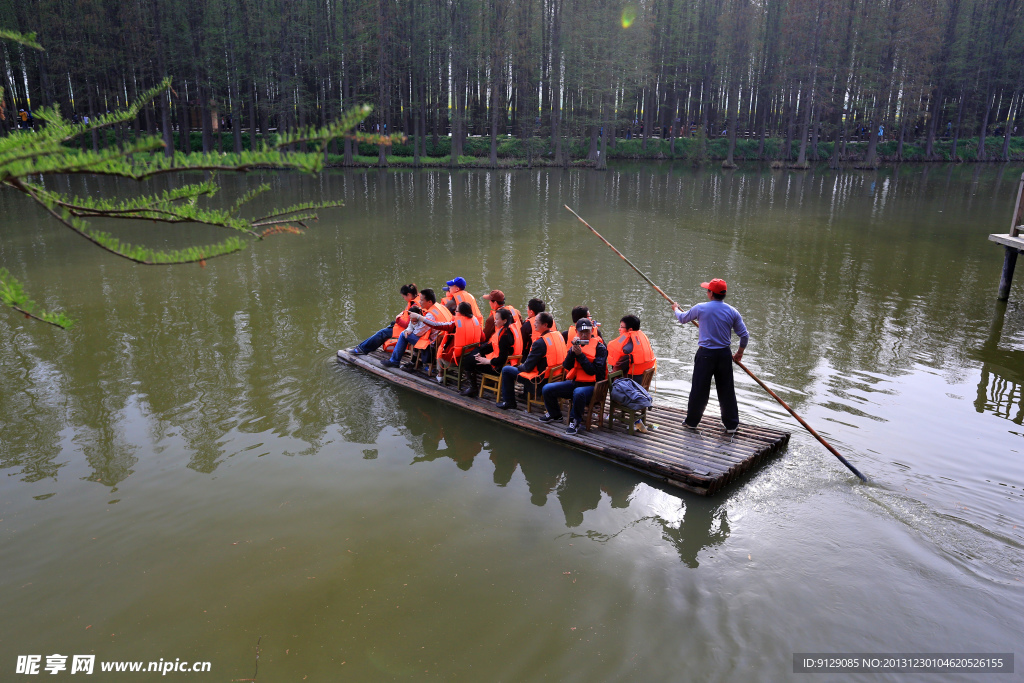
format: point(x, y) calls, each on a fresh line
point(701, 464)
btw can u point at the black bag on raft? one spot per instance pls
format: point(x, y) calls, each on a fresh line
point(628, 393)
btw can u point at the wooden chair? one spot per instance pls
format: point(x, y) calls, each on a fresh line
point(454, 371)
point(596, 406)
point(629, 416)
point(493, 382)
point(555, 374)
point(428, 349)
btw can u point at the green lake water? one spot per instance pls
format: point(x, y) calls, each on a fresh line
point(189, 474)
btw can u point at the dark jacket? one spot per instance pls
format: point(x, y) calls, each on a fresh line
point(506, 344)
point(537, 358)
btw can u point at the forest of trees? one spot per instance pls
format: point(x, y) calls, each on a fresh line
point(546, 72)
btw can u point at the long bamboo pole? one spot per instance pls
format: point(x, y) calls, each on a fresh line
point(785, 405)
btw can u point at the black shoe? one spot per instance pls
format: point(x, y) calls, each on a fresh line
point(389, 363)
point(356, 351)
point(409, 366)
point(506, 406)
point(548, 418)
point(573, 429)
point(469, 391)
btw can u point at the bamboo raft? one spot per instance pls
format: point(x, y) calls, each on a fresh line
point(701, 463)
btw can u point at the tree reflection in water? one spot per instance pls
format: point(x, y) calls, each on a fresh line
point(1001, 385)
point(578, 481)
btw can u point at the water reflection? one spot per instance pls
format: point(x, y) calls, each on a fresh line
point(577, 482)
point(844, 279)
point(1001, 386)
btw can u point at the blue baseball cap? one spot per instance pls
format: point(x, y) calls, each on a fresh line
point(459, 282)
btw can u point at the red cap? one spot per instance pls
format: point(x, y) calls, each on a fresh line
point(717, 286)
point(496, 295)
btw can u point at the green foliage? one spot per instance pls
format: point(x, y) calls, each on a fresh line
point(26, 156)
point(12, 294)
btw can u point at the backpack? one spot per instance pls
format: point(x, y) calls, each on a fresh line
point(628, 393)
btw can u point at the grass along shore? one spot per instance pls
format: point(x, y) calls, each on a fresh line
point(537, 151)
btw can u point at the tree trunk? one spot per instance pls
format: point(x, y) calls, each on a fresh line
point(806, 100)
point(956, 129)
point(92, 119)
point(936, 114)
point(606, 124)
point(733, 115)
point(989, 96)
point(204, 112)
point(815, 128)
point(1010, 116)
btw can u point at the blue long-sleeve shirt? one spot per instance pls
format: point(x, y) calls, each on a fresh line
point(717, 321)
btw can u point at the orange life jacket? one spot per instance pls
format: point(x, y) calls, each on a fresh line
point(467, 331)
point(643, 355)
point(397, 328)
point(464, 296)
point(615, 351)
point(554, 353)
point(577, 374)
point(517, 344)
point(516, 317)
point(441, 315)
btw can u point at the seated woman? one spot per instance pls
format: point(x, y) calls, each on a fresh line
point(376, 340)
point(631, 352)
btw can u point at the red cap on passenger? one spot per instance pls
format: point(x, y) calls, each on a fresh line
point(717, 286)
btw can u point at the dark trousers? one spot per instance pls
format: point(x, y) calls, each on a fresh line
point(579, 393)
point(475, 365)
point(375, 341)
point(509, 377)
point(717, 364)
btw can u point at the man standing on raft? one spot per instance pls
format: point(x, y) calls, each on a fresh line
point(714, 357)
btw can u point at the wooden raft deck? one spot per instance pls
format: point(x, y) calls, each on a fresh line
point(701, 463)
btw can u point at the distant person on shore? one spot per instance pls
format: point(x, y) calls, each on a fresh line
point(714, 357)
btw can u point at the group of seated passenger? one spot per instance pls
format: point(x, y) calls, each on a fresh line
point(496, 346)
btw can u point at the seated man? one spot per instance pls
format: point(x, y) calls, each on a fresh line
point(466, 330)
point(587, 365)
point(375, 341)
point(415, 332)
point(631, 351)
point(456, 290)
point(579, 312)
point(497, 300)
point(547, 350)
point(534, 307)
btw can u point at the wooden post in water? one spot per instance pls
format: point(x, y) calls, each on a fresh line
point(1006, 278)
point(1012, 243)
